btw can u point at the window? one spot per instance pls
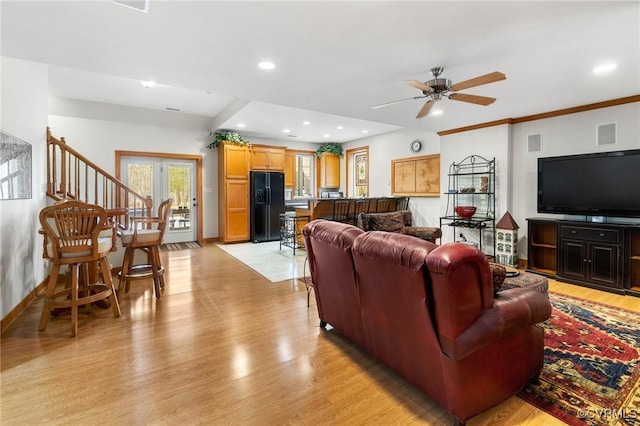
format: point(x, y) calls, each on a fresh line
point(305, 175)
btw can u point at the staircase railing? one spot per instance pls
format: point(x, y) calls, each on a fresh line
point(70, 175)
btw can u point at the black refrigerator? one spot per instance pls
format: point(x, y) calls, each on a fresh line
point(267, 202)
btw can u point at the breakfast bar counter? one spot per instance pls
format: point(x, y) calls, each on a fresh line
point(323, 207)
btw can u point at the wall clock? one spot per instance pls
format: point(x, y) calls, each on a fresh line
point(415, 146)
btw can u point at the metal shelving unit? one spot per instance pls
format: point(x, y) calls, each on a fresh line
point(472, 182)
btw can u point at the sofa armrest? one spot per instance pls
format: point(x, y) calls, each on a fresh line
point(513, 310)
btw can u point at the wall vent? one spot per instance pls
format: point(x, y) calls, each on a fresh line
point(534, 143)
point(141, 5)
point(606, 134)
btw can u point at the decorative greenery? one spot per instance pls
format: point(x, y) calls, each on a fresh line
point(226, 135)
point(331, 148)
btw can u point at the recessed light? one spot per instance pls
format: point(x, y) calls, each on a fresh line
point(340, 127)
point(148, 83)
point(436, 112)
point(306, 123)
point(240, 125)
point(326, 135)
point(365, 131)
point(266, 65)
point(286, 130)
point(605, 68)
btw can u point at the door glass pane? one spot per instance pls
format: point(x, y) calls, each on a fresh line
point(141, 181)
point(304, 175)
point(361, 174)
point(179, 190)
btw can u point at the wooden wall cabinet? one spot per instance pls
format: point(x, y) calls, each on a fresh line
point(329, 171)
point(233, 192)
point(416, 176)
point(289, 169)
point(267, 158)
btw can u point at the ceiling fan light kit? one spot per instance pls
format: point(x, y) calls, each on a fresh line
point(437, 88)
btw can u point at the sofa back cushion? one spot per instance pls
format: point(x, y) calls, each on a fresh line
point(328, 246)
point(462, 288)
point(395, 300)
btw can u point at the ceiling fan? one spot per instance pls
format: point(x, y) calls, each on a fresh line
point(437, 88)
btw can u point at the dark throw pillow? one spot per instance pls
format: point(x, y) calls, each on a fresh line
point(388, 222)
point(498, 274)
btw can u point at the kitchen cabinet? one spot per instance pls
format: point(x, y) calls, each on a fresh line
point(267, 158)
point(329, 170)
point(289, 168)
point(233, 192)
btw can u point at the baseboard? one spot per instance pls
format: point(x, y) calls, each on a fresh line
point(20, 307)
point(210, 240)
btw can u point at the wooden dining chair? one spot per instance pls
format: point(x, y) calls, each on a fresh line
point(72, 237)
point(145, 234)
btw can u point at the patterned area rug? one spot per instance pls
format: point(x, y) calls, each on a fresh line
point(591, 373)
point(180, 246)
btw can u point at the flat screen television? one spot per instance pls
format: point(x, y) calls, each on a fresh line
point(599, 184)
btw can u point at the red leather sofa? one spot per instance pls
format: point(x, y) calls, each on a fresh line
point(428, 313)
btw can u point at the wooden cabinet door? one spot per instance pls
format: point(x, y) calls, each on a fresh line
point(290, 169)
point(237, 210)
point(329, 171)
point(264, 158)
point(276, 160)
point(235, 162)
point(259, 159)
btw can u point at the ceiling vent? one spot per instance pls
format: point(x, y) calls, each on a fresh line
point(141, 5)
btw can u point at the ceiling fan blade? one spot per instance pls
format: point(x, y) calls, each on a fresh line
point(418, 85)
point(397, 101)
point(426, 108)
point(478, 81)
point(474, 99)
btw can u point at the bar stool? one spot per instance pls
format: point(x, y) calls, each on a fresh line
point(360, 206)
point(146, 234)
point(382, 205)
point(341, 211)
point(71, 232)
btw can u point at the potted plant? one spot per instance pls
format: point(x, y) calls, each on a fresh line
point(226, 135)
point(331, 148)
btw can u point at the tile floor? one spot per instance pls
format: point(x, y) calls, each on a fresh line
point(268, 260)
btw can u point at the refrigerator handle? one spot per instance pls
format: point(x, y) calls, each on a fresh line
point(268, 195)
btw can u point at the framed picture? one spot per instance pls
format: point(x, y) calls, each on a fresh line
point(15, 168)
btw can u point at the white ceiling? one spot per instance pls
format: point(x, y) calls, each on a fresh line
point(334, 59)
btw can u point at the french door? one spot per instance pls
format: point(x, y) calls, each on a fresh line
point(163, 178)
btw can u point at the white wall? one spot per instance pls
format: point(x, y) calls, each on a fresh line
point(97, 130)
point(490, 142)
point(564, 135)
point(23, 97)
point(516, 175)
point(391, 146)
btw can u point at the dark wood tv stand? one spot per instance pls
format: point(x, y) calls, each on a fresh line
point(604, 256)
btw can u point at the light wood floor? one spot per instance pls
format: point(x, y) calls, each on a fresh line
point(223, 346)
